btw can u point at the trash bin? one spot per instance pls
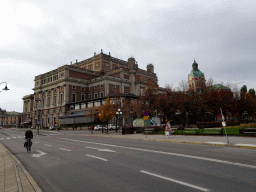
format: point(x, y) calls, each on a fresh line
point(123, 131)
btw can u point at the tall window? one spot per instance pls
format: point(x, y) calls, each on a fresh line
point(49, 102)
point(95, 95)
point(43, 103)
point(73, 97)
point(55, 100)
point(101, 94)
point(61, 98)
point(82, 97)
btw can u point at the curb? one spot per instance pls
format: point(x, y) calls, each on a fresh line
point(27, 174)
point(187, 142)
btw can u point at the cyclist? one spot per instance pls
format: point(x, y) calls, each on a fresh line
point(28, 137)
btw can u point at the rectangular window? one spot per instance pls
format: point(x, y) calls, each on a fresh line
point(95, 95)
point(95, 87)
point(43, 103)
point(83, 88)
point(61, 98)
point(51, 78)
point(73, 87)
point(55, 100)
point(90, 88)
point(73, 97)
point(77, 106)
point(83, 105)
point(101, 86)
point(101, 94)
point(48, 120)
point(90, 96)
point(114, 86)
point(49, 102)
point(57, 77)
point(90, 104)
point(126, 87)
point(61, 75)
point(82, 97)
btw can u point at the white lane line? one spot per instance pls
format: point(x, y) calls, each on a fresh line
point(216, 143)
point(8, 138)
point(176, 181)
point(248, 145)
point(175, 154)
point(48, 145)
point(92, 148)
point(97, 157)
point(65, 149)
point(106, 150)
point(36, 142)
point(14, 137)
point(19, 137)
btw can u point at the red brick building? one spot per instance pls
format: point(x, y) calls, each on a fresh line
point(82, 85)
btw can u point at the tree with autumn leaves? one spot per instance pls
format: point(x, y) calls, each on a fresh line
point(106, 112)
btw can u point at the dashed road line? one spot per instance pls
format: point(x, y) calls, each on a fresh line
point(97, 157)
point(48, 145)
point(176, 181)
point(8, 138)
point(222, 143)
point(14, 137)
point(65, 149)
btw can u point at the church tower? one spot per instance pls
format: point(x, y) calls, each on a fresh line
point(196, 79)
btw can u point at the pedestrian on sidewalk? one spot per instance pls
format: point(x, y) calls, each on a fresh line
point(168, 129)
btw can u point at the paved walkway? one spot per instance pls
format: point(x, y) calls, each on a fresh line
point(13, 175)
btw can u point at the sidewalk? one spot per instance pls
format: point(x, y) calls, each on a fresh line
point(233, 141)
point(13, 175)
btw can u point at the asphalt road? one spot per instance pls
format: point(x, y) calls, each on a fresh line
point(78, 161)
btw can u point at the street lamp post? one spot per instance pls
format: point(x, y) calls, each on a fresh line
point(5, 88)
point(38, 100)
point(118, 113)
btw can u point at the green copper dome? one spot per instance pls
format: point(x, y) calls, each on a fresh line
point(195, 71)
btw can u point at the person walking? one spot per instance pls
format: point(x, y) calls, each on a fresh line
point(168, 129)
point(28, 137)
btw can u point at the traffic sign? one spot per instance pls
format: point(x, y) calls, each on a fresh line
point(145, 117)
point(145, 113)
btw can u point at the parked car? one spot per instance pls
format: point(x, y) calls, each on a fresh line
point(53, 127)
point(1, 127)
point(98, 127)
point(91, 128)
point(112, 126)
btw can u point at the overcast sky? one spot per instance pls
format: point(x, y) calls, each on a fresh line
point(39, 36)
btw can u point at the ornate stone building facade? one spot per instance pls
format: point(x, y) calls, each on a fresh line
point(196, 79)
point(83, 85)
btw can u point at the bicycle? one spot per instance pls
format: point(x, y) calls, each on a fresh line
point(28, 144)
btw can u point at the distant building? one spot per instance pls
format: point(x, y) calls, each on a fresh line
point(61, 95)
point(196, 79)
point(8, 119)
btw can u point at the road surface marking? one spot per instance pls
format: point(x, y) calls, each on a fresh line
point(14, 137)
point(167, 153)
point(97, 157)
point(65, 149)
point(8, 138)
point(48, 145)
point(175, 181)
point(19, 137)
point(216, 143)
point(1, 138)
point(248, 145)
point(92, 148)
point(39, 155)
point(36, 142)
point(106, 150)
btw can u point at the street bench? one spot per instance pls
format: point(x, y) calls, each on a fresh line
point(248, 131)
point(192, 131)
point(218, 131)
point(148, 130)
